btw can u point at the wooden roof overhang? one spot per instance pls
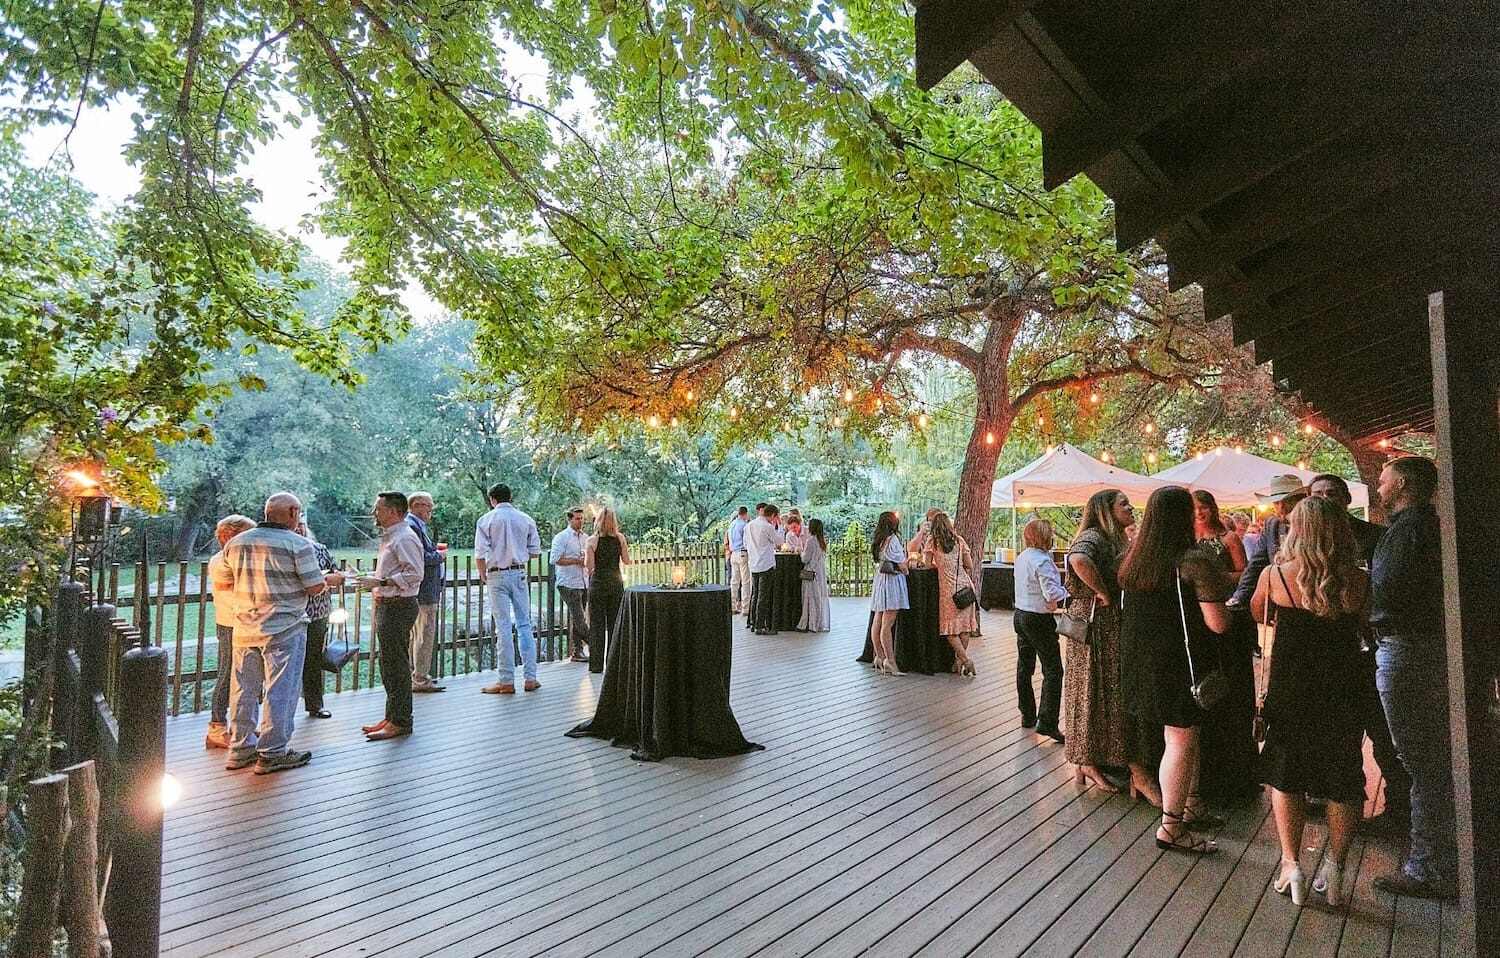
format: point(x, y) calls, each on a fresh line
point(1317, 168)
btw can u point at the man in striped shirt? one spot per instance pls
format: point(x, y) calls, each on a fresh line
point(271, 572)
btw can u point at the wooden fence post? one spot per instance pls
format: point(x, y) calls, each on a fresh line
point(36, 921)
point(93, 640)
point(132, 903)
point(80, 899)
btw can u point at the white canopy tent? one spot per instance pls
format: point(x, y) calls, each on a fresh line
point(1235, 477)
point(1066, 476)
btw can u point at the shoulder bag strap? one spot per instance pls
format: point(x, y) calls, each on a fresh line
point(1288, 589)
point(1186, 644)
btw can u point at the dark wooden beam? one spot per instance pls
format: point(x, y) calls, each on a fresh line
point(1353, 319)
point(1467, 413)
point(948, 31)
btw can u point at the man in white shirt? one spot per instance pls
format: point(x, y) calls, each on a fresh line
point(568, 548)
point(394, 585)
point(505, 539)
point(761, 539)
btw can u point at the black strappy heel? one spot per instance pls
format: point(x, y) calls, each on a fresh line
point(1203, 821)
point(1184, 841)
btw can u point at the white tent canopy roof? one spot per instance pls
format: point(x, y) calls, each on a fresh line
point(1066, 476)
point(1235, 477)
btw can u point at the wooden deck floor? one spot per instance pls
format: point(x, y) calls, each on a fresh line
point(899, 816)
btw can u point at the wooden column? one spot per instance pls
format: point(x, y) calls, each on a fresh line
point(133, 900)
point(1468, 458)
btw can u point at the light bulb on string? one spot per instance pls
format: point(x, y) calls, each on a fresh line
point(690, 396)
point(1149, 428)
point(848, 394)
point(653, 421)
point(989, 439)
point(734, 412)
point(1385, 444)
point(1307, 429)
point(674, 422)
point(1094, 398)
point(1106, 457)
point(838, 422)
point(1276, 441)
point(922, 421)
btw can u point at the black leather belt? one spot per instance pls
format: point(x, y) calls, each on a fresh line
point(509, 568)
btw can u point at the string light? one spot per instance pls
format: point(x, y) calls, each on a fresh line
point(848, 394)
point(1276, 441)
point(1094, 398)
point(1385, 444)
point(1041, 421)
point(690, 396)
point(653, 421)
point(989, 439)
point(1307, 429)
point(734, 412)
point(922, 421)
point(1149, 428)
point(1106, 457)
point(674, 422)
point(838, 422)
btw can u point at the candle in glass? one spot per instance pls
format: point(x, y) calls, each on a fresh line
point(679, 575)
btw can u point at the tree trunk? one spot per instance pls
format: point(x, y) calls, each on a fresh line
point(1370, 460)
point(992, 421)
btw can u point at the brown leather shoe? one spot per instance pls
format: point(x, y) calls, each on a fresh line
point(391, 730)
point(499, 688)
point(532, 685)
point(367, 729)
point(218, 736)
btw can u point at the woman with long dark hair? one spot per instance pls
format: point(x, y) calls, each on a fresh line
point(1098, 732)
point(1228, 731)
point(1316, 594)
point(948, 553)
point(888, 596)
point(816, 613)
point(1173, 600)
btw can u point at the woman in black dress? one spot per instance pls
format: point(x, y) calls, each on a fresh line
point(1316, 595)
point(1173, 596)
point(605, 555)
point(1228, 733)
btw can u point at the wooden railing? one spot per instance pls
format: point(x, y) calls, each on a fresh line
point(104, 699)
point(179, 617)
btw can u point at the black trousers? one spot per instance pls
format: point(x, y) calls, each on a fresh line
point(1372, 712)
point(394, 619)
point(1036, 641)
point(762, 604)
point(578, 621)
point(604, 609)
point(312, 665)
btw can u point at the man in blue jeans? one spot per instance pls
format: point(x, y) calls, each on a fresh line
point(1411, 663)
point(505, 539)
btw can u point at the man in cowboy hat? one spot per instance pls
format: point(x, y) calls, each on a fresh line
point(1284, 493)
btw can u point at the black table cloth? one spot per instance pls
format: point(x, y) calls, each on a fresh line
point(786, 592)
point(666, 677)
point(919, 648)
point(998, 590)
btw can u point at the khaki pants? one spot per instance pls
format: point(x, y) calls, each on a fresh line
point(423, 643)
point(739, 583)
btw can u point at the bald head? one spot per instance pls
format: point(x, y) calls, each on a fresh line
point(283, 509)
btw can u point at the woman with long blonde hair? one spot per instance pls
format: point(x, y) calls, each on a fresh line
point(603, 559)
point(1316, 595)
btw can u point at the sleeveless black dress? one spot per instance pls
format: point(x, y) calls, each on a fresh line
point(1227, 774)
point(1314, 738)
point(606, 593)
point(1155, 683)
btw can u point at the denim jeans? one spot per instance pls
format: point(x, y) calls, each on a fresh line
point(275, 672)
point(510, 604)
point(219, 710)
point(1412, 676)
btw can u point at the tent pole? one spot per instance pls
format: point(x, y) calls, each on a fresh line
point(1012, 522)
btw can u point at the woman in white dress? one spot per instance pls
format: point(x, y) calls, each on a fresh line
point(815, 611)
point(888, 597)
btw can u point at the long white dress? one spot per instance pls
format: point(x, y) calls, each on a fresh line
point(889, 592)
point(816, 614)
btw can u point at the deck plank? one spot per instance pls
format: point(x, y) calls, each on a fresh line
point(894, 816)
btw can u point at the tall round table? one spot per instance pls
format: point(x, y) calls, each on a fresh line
point(786, 592)
point(919, 647)
point(666, 677)
point(998, 587)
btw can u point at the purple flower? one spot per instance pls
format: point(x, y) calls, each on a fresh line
point(50, 308)
point(108, 415)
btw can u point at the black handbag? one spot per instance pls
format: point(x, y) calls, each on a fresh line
point(964, 597)
point(339, 653)
point(890, 568)
point(1211, 689)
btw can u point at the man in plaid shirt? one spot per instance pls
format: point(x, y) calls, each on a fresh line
point(271, 572)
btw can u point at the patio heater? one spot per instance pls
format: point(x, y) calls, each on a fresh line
point(91, 515)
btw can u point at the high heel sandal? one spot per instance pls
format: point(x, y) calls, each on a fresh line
point(966, 668)
point(1292, 883)
point(1089, 776)
point(1183, 840)
point(1329, 882)
point(1147, 793)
